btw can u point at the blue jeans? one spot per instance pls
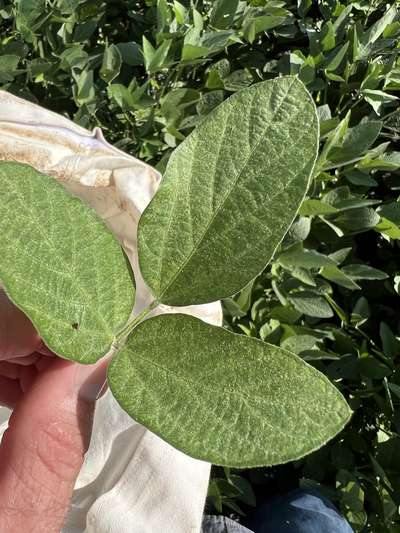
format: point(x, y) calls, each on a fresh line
point(300, 511)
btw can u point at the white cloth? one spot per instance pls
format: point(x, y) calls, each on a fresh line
point(131, 481)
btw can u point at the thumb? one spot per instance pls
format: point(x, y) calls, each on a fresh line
point(18, 337)
point(42, 451)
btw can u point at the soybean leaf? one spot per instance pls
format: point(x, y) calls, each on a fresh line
point(363, 272)
point(175, 369)
point(334, 138)
point(354, 203)
point(216, 74)
point(356, 177)
point(180, 12)
point(388, 161)
point(192, 42)
point(131, 53)
point(246, 490)
point(302, 275)
point(336, 58)
point(112, 61)
point(351, 492)
point(326, 122)
point(128, 98)
point(337, 195)
point(253, 26)
point(233, 308)
point(361, 312)
point(299, 230)
point(333, 273)
point(244, 299)
point(192, 51)
point(378, 98)
point(390, 220)
point(311, 304)
point(239, 79)
point(395, 389)
point(298, 257)
point(388, 228)
point(358, 219)
point(84, 92)
point(312, 207)
point(340, 255)
point(324, 113)
point(61, 265)
point(73, 57)
point(83, 31)
point(155, 59)
point(300, 343)
point(220, 213)
point(163, 16)
point(208, 101)
point(8, 67)
point(356, 141)
point(223, 13)
point(376, 30)
point(215, 41)
point(327, 38)
point(27, 15)
point(390, 344)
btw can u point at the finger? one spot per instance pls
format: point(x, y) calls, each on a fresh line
point(43, 363)
point(17, 335)
point(27, 377)
point(42, 451)
point(10, 392)
point(43, 350)
point(9, 370)
point(14, 369)
point(27, 360)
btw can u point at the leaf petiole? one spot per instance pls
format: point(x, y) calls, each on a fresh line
point(131, 325)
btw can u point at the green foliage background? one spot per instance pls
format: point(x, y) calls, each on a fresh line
point(147, 72)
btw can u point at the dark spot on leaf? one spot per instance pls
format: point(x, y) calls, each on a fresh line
point(75, 325)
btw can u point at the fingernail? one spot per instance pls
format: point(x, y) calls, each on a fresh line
point(91, 381)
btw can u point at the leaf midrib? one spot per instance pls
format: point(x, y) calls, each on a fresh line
point(255, 401)
point(230, 391)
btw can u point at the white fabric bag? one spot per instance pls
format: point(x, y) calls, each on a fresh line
point(131, 481)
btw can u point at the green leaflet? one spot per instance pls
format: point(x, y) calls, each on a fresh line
point(61, 265)
point(222, 397)
point(229, 194)
point(223, 13)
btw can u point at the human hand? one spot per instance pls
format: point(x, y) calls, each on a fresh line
point(49, 430)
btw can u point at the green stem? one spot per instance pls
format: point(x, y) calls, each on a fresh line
point(344, 164)
point(395, 112)
point(131, 325)
point(379, 354)
point(352, 103)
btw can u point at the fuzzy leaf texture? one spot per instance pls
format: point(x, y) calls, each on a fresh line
point(229, 194)
point(222, 397)
point(61, 265)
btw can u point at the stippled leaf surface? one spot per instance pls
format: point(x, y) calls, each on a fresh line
point(222, 397)
point(61, 265)
point(229, 194)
